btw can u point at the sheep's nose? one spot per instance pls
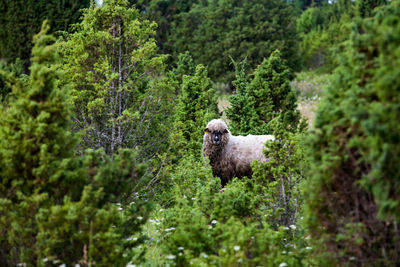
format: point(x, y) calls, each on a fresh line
point(216, 138)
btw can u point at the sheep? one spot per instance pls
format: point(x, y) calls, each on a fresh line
point(230, 156)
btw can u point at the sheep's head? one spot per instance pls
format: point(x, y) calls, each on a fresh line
point(217, 132)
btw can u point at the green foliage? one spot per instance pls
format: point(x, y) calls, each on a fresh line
point(352, 197)
point(267, 97)
point(213, 31)
point(120, 98)
point(365, 8)
point(21, 19)
point(57, 207)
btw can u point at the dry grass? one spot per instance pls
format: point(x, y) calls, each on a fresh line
point(307, 109)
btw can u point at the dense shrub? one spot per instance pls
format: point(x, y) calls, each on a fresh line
point(57, 207)
point(352, 196)
point(232, 226)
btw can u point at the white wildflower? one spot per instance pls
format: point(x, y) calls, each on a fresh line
point(161, 210)
point(181, 248)
point(209, 227)
point(236, 248)
point(293, 227)
point(239, 260)
point(180, 254)
point(193, 198)
point(170, 257)
point(309, 248)
point(283, 264)
point(140, 218)
point(130, 264)
point(214, 221)
point(62, 265)
point(284, 252)
point(45, 259)
point(169, 229)
point(204, 255)
point(77, 265)
point(120, 209)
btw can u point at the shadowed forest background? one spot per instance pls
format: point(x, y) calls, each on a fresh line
point(102, 112)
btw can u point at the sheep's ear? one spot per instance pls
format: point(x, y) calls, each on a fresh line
point(226, 131)
point(206, 130)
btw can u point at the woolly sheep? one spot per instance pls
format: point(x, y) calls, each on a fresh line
point(230, 156)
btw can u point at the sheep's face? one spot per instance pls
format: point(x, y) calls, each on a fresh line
point(217, 132)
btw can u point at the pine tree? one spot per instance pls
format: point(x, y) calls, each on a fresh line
point(111, 61)
point(352, 195)
point(266, 97)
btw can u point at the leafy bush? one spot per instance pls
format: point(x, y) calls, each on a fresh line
point(208, 225)
point(352, 196)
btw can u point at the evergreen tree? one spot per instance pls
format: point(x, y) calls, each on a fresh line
point(53, 205)
point(120, 98)
point(21, 19)
point(352, 196)
point(266, 97)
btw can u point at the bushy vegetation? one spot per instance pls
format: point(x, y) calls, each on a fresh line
point(100, 140)
point(353, 205)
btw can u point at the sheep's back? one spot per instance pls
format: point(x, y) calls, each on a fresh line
point(248, 148)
